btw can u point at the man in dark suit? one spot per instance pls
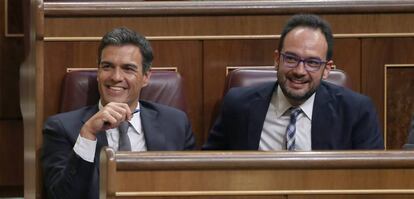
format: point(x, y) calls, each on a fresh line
point(72, 140)
point(299, 111)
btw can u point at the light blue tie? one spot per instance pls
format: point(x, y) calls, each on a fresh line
point(291, 129)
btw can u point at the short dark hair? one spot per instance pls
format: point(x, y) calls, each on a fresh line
point(310, 21)
point(124, 36)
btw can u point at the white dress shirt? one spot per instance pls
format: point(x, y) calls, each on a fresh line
point(85, 148)
point(273, 136)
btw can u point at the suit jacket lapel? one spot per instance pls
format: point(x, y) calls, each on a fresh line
point(153, 138)
point(323, 114)
point(257, 113)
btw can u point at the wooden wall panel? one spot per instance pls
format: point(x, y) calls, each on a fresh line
point(174, 26)
point(347, 56)
point(376, 53)
point(14, 16)
point(223, 25)
point(11, 158)
point(11, 131)
point(399, 103)
point(373, 23)
point(187, 57)
point(11, 152)
point(59, 57)
point(218, 54)
point(11, 54)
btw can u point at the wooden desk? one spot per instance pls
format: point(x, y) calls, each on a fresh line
point(375, 174)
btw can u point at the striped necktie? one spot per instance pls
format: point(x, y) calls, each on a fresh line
point(291, 128)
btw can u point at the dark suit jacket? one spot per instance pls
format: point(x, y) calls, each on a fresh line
point(66, 175)
point(341, 119)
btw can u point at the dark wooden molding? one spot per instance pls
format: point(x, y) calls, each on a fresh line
point(262, 160)
point(151, 8)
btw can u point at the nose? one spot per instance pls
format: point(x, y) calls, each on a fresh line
point(117, 74)
point(300, 68)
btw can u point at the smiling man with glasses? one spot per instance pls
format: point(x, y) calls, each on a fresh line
point(298, 112)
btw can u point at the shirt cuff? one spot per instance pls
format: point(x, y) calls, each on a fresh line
point(85, 148)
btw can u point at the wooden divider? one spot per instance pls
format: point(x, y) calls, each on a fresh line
point(256, 174)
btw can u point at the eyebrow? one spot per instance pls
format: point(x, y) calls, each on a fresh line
point(311, 57)
point(130, 65)
point(105, 62)
point(123, 65)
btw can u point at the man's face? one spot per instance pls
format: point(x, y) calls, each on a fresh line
point(297, 83)
point(120, 75)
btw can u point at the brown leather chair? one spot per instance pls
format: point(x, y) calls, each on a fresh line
point(80, 88)
point(249, 77)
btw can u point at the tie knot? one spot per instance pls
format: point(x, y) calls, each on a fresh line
point(123, 127)
point(295, 111)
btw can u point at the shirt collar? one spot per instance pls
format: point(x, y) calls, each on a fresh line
point(283, 104)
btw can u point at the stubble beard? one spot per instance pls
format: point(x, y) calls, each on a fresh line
point(296, 97)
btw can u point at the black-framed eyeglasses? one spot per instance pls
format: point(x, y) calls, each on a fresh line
point(311, 64)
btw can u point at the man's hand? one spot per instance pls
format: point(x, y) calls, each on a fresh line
point(110, 116)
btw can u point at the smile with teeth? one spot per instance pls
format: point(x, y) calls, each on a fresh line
point(116, 88)
point(297, 81)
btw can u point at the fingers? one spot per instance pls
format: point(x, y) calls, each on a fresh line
point(114, 113)
point(108, 117)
